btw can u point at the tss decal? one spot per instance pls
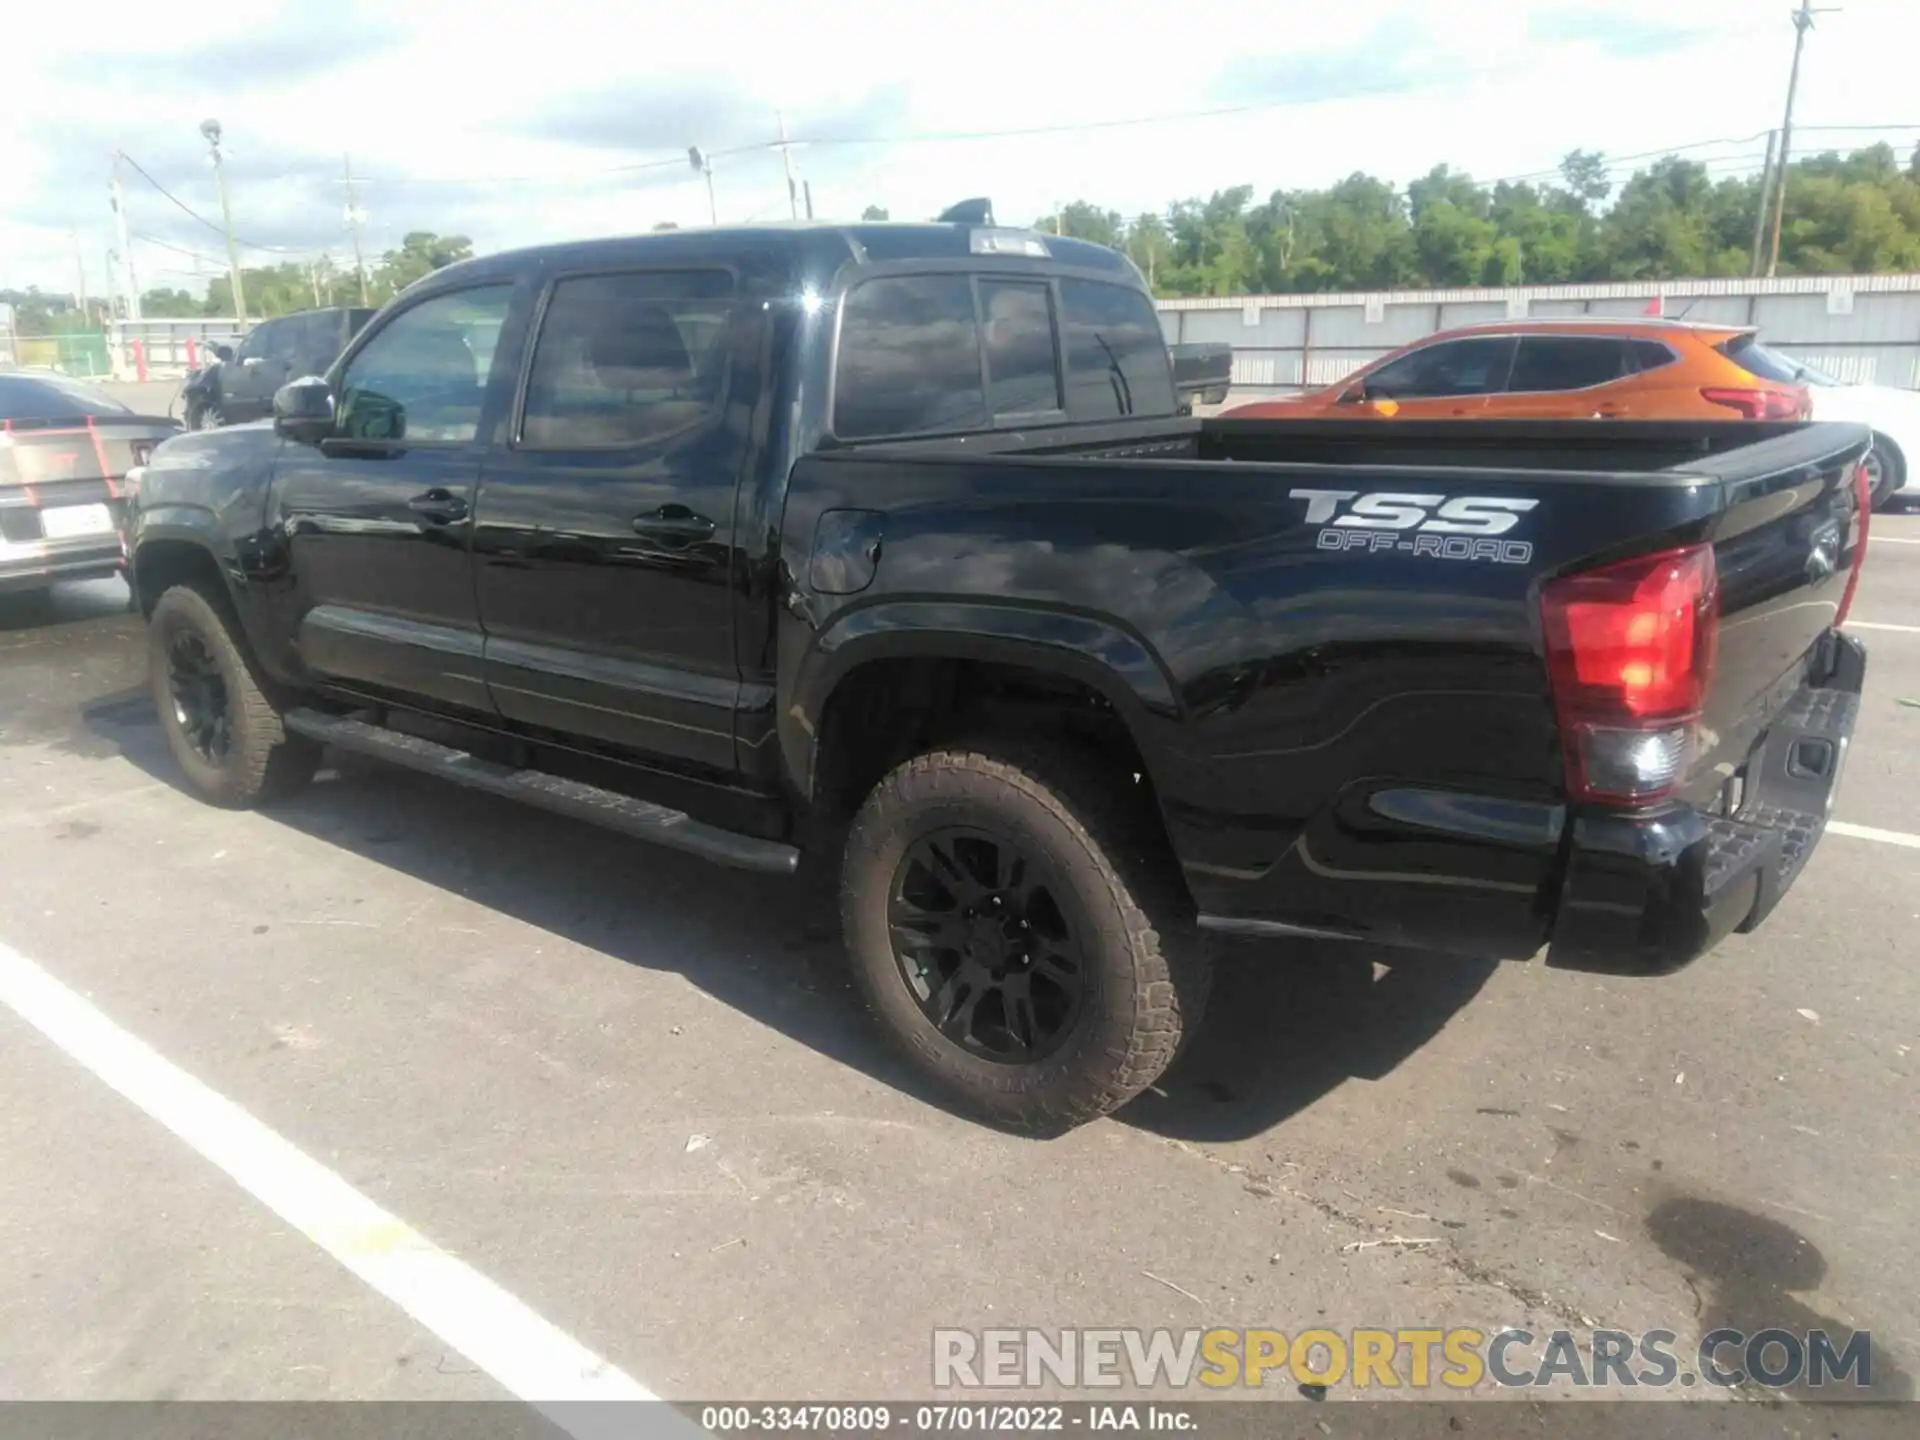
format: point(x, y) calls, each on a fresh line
point(1465, 527)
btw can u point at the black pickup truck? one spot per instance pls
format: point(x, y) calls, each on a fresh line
point(1202, 374)
point(883, 547)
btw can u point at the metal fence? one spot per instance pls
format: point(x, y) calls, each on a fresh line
point(1860, 328)
point(83, 353)
point(167, 349)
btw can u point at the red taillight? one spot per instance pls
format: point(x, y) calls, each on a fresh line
point(1630, 651)
point(1863, 504)
point(1758, 404)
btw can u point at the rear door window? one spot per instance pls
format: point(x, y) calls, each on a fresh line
point(628, 359)
point(1117, 362)
point(1566, 362)
point(1644, 355)
point(909, 359)
point(1453, 367)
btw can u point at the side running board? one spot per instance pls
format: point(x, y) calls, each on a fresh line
point(638, 818)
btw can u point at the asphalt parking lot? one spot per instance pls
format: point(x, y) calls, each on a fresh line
point(636, 1095)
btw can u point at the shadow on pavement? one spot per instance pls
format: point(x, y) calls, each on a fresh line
point(1286, 1024)
point(1290, 1020)
point(68, 603)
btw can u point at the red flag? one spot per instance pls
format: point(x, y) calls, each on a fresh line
point(1653, 306)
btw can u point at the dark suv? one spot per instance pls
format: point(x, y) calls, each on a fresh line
point(241, 386)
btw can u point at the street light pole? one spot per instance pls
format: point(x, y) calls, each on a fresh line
point(126, 243)
point(211, 130)
point(353, 224)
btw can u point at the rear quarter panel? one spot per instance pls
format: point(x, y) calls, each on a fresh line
point(1356, 740)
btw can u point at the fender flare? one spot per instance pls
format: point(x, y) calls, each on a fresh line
point(198, 526)
point(1111, 660)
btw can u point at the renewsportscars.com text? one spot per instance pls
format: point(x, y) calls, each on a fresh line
point(1390, 1359)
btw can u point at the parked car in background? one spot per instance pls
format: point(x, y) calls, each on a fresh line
point(1585, 369)
point(65, 450)
point(1892, 413)
point(1202, 373)
point(239, 386)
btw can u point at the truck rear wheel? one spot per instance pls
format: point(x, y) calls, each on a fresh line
point(224, 732)
point(1014, 927)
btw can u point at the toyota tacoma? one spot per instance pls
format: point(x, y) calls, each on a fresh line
point(881, 550)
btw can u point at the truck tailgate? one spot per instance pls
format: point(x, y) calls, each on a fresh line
point(1790, 536)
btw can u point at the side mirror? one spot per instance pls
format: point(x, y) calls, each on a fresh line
point(303, 410)
point(223, 352)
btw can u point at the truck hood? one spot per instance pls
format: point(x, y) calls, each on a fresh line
point(214, 449)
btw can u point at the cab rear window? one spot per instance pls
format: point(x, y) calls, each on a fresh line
point(948, 353)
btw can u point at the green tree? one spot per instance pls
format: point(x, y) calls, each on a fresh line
point(1148, 245)
point(875, 212)
point(1085, 221)
point(421, 253)
point(1585, 173)
point(163, 304)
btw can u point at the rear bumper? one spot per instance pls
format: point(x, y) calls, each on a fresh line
point(1647, 893)
point(17, 574)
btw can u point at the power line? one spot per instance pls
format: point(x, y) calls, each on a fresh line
point(1614, 162)
point(190, 212)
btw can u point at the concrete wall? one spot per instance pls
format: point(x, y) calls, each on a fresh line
point(1864, 329)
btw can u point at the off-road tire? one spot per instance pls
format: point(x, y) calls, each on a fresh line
point(264, 762)
point(1148, 969)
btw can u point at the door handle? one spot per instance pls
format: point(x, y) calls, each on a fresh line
point(673, 527)
point(442, 506)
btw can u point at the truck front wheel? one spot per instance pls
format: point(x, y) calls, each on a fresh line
point(223, 730)
point(1014, 925)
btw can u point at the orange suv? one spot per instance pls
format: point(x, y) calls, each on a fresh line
point(1564, 369)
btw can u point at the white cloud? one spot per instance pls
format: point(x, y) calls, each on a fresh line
point(549, 97)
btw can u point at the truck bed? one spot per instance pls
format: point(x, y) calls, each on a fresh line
point(1349, 721)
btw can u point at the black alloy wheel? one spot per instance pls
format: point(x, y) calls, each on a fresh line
point(200, 703)
point(986, 946)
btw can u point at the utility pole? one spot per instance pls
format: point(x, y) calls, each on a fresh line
point(703, 162)
point(211, 130)
point(1802, 22)
point(354, 218)
point(786, 158)
point(126, 243)
point(807, 186)
point(313, 276)
point(80, 273)
point(1760, 209)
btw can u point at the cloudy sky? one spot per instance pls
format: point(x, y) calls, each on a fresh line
point(517, 123)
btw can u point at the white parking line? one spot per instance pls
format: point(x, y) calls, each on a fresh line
point(1867, 832)
point(1871, 625)
point(1873, 540)
point(529, 1357)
